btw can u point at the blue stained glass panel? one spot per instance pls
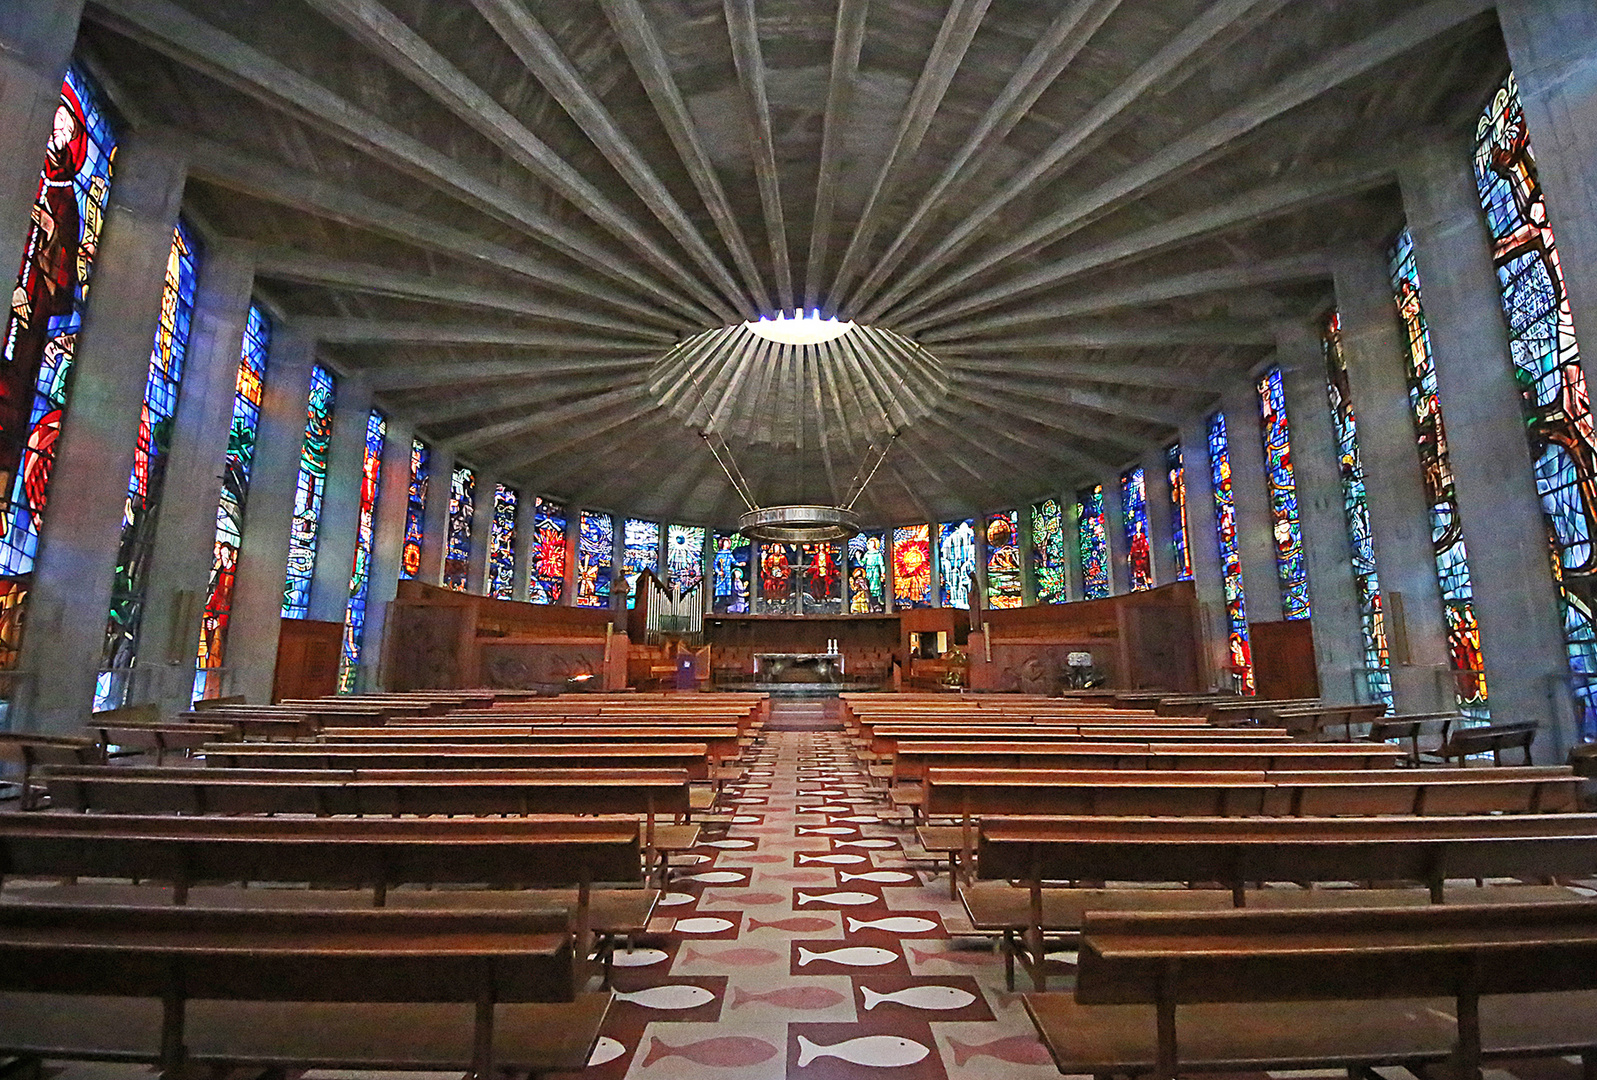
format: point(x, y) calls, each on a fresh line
point(729, 573)
point(547, 582)
point(1176, 473)
point(956, 561)
point(1285, 527)
point(1050, 557)
point(1134, 511)
point(867, 573)
point(684, 556)
point(640, 551)
point(308, 495)
point(1225, 524)
point(415, 510)
point(462, 507)
point(1093, 542)
point(502, 545)
point(1003, 560)
point(596, 539)
point(360, 573)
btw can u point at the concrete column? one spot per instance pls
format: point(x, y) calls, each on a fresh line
point(1250, 489)
point(180, 564)
point(1327, 556)
point(618, 576)
point(435, 533)
point(388, 544)
point(1114, 527)
point(1516, 604)
point(1553, 46)
point(482, 524)
point(340, 517)
point(71, 593)
point(1400, 514)
point(1203, 541)
point(1161, 517)
point(521, 579)
point(1070, 507)
point(36, 39)
point(263, 554)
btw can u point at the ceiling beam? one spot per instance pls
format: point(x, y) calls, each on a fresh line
point(386, 331)
point(393, 378)
point(1210, 381)
point(744, 31)
point(846, 44)
point(547, 419)
point(1115, 405)
point(577, 432)
point(1103, 430)
point(1126, 335)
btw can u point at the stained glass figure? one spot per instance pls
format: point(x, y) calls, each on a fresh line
point(1288, 533)
point(308, 495)
point(502, 545)
point(1176, 473)
point(1050, 557)
point(1134, 511)
point(41, 333)
point(361, 571)
point(139, 514)
point(547, 582)
point(912, 566)
point(1541, 334)
point(596, 545)
point(1225, 524)
point(462, 508)
point(684, 556)
point(778, 565)
point(1003, 560)
point(956, 562)
point(867, 573)
point(729, 572)
point(1447, 530)
point(640, 551)
point(415, 510)
point(822, 579)
point(1093, 540)
point(1356, 508)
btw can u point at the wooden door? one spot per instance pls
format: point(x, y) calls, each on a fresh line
point(1283, 659)
point(307, 659)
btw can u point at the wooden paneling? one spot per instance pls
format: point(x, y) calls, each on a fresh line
point(1283, 659)
point(307, 659)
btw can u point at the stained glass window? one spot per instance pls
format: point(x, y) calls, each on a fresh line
point(1356, 507)
point(684, 556)
point(415, 510)
point(547, 581)
point(308, 495)
point(1225, 524)
point(956, 562)
point(1447, 530)
point(1288, 533)
point(729, 570)
point(777, 563)
point(41, 332)
point(1049, 556)
point(360, 573)
point(640, 551)
point(1003, 560)
point(1541, 333)
point(148, 477)
point(823, 579)
point(596, 545)
point(867, 573)
point(462, 508)
point(1134, 510)
point(912, 566)
point(1181, 548)
point(502, 545)
point(230, 509)
point(1093, 540)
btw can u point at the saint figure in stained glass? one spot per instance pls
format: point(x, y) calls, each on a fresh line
point(730, 573)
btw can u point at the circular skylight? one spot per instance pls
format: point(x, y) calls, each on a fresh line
point(800, 328)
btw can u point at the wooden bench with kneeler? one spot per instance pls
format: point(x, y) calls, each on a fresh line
point(690, 756)
point(344, 989)
point(1352, 988)
point(914, 757)
point(28, 754)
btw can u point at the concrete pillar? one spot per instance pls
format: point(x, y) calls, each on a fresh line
point(263, 554)
point(1203, 541)
point(1400, 516)
point(1114, 527)
point(340, 517)
point(1327, 557)
point(1250, 489)
point(1028, 563)
point(1070, 507)
point(1516, 604)
point(435, 532)
point(388, 544)
point(482, 525)
point(521, 579)
point(71, 593)
point(1161, 517)
point(180, 564)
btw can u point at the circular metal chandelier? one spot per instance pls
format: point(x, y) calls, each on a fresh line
point(802, 524)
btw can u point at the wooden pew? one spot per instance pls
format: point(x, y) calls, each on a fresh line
point(722, 741)
point(692, 757)
point(162, 739)
point(27, 754)
point(1466, 742)
point(914, 757)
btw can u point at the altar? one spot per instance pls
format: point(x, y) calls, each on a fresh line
point(778, 667)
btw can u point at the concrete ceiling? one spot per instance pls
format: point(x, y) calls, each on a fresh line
point(510, 215)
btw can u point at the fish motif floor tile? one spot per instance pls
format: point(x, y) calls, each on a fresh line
point(867, 1048)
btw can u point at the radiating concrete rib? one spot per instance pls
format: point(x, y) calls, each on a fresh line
point(386, 378)
point(386, 331)
point(1107, 371)
point(743, 29)
point(531, 393)
point(576, 430)
point(823, 423)
point(624, 451)
point(846, 44)
point(547, 418)
point(1060, 452)
point(1129, 334)
point(1060, 394)
point(1007, 401)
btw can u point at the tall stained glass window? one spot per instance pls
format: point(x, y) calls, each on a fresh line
point(1003, 560)
point(1284, 524)
point(1225, 524)
point(1181, 547)
point(778, 566)
point(912, 566)
point(867, 573)
point(596, 545)
point(1134, 510)
point(684, 556)
point(360, 574)
point(1356, 507)
point(41, 332)
point(1049, 556)
point(148, 477)
point(1541, 333)
point(956, 562)
point(1093, 541)
point(415, 510)
point(230, 509)
point(823, 578)
point(502, 545)
point(729, 573)
point(308, 495)
point(640, 551)
point(462, 508)
point(1447, 530)
point(547, 582)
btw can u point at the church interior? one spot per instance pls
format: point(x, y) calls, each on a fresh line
point(798, 539)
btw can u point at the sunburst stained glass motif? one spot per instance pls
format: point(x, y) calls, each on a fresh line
point(1356, 508)
point(779, 564)
point(148, 477)
point(1003, 560)
point(415, 510)
point(956, 561)
point(1284, 523)
point(729, 573)
point(1134, 510)
point(361, 571)
point(462, 508)
point(1093, 541)
point(547, 581)
point(502, 545)
point(308, 495)
point(1447, 530)
point(1181, 548)
point(596, 545)
point(1225, 524)
point(640, 551)
point(1049, 556)
point(41, 333)
point(684, 556)
point(912, 566)
point(867, 573)
point(1541, 332)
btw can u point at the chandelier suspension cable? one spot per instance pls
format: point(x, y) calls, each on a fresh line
point(734, 474)
point(857, 492)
